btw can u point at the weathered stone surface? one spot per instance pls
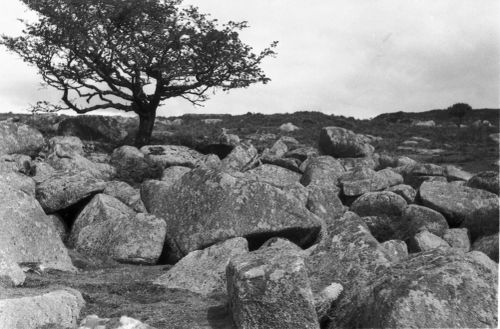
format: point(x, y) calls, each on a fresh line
point(11, 274)
point(207, 206)
point(487, 244)
point(425, 240)
point(426, 292)
point(19, 138)
point(65, 145)
point(379, 203)
point(60, 226)
point(421, 218)
point(288, 127)
point(453, 173)
point(350, 256)
point(242, 157)
point(204, 271)
point(171, 174)
point(414, 175)
point(352, 163)
point(63, 190)
point(287, 163)
point(392, 178)
point(324, 299)
point(475, 209)
point(16, 162)
point(386, 227)
point(132, 166)
point(342, 143)
point(269, 288)
point(458, 238)
point(42, 171)
point(72, 162)
point(302, 153)
point(274, 175)
point(31, 309)
point(126, 194)
point(26, 234)
point(165, 156)
point(395, 250)
point(486, 180)
point(324, 201)
point(362, 180)
point(322, 170)
point(108, 227)
point(18, 181)
point(406, 191)
point(124, 322)
point(113, 129)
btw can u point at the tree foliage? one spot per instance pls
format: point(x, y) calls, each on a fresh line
point(459, 110)
point(133, 55)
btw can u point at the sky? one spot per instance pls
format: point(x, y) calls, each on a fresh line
point(355, 58)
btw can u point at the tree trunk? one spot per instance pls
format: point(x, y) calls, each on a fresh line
point(146, 124)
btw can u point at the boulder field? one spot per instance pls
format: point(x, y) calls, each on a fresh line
point(291, 236)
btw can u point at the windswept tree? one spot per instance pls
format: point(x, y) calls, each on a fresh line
point(459, 111)
point(131, 55)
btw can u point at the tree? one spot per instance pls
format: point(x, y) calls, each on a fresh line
point(459, 110)
point(133, 55)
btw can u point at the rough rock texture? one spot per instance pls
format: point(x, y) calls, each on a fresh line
point(487, 244)
point(269, 288)
point(171, 174)
point(421, 218)
point(274, 175)
point(165, 156)
point(424, 240)
point(342, 143)
point(207, 206)
point(19, 138)
point(42, 171)
point(132, 166)
point(458, 238)
point(26, 234)
point(60, 226)
point(406, 191)
point(126, 194)
point(65, 145)
point(108, 227)
point(11, 274)
point(426, 292)
point(348, 255)
point(153, 193)
point(241, 158)
point(324, 201)
point(124, 322)
point(322, 170)
point(379, 203)
point(391, 177)
point(16, 162)
point(362, 180)
point(395, 250)
point(302, 153)
point(475, 209)
point(453, 173)
point(64, 189)
point(486, 180)
point(113, 129)
point(31, 309)
point(204, 271)
point(351, 163)
point(18, 181)
point(414, 175)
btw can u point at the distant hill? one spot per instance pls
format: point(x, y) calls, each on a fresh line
point(439, 116)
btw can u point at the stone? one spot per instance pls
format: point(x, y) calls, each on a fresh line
point(386, 227)
point(414, 175)
point(487, 244)
point(63, 190)
point(60, 226)
point(426, 292)
point(302, 153)
point(458, 238)
point(27, 235)
point(353, 163)
point(124, 322)
point(350, 256)
point(269, 288)
point(453, 173)
point(165, 156)
point(324, 299)
point(379, 203)
point(108, 227)
point(362, 180)
point(204, 271)
point(474, 209)
point(16, 163)
point(19, 138)
point(32, 309)
point(112, 129)
point(425, 240)
point(392, 178)
point(274, 175)
point(73, 162)
point(126, 194)
point(288, 127)
point(18, 181)
point(324, 201)
point(287, 163)
point(11, 274)
point(486, 180)
point(152, 193)
point(406, 191)
point(342, 143)
point(171, 174)
point(395, 250)
point(207, 206)
point(132, 166)
point(42, 171)
point(420, 218)
point(241, 158)
point(65, 145)
point(322, 170)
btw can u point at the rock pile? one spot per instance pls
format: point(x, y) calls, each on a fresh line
point(291, 237)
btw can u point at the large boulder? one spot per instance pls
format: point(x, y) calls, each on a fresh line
point(274, 175)
point(322, 170)
point(406, 191)
point(204, 271)
point(33, 309)
point(112, 129)
point(349, 255)
point(11, 274)
point(342, 143)
point(425, 240)
point(107, 227)
point(421, 218)
point(241, 158)
point(434, 289)
point(19, 138)
point(487, 244)
point(207, 206)
point(165, 156)
point(18, 181)
point(414, 175)
point(269, 288)
point(486, 180)
point(126, 194)
point(474, 209)
point(458, 238)
point(63, 190)
point(27, 235)
point(171, 174)
point(132, 166)
point(362, 180)
point(324, 201)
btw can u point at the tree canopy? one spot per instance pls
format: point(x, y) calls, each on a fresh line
point(459, 110)
point(133, 55)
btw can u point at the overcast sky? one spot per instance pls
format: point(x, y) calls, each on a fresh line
point(348, 57)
